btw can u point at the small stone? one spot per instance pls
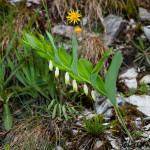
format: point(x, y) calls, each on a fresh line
point(79, 124)
point(75, 132)
point(58, 148)
point(98, 144)
point(28, 4)
point(129, 78)
point(34, 1)
point(144, 135)
point(145, 79)
point(144, 14)
point(115, 145)
point(147, 32)
point(147, 127)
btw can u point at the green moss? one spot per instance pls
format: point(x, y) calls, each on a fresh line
point(129, 114)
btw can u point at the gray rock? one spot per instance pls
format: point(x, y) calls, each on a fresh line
point(58, 148)
point(145, 79)
point(113, 25)
point(129, 78)
point(34, 1)
point(75, 132)
point(147, 32)
point(144, 14)
point(65, 31)
point(142, 102)
point(104, 106)
point(115, 144)
point(98, 144)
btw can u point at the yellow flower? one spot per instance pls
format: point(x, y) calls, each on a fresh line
point(74, 16)
point(77, 30)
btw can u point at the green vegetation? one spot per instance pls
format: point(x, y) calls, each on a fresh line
point(95, 126)
point(144, 53)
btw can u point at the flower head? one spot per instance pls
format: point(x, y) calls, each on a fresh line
point(85, 88)
point(50, 65)
point(93, 95)
point(75, 88)
point(56, 72)
point(77, 30)
point(74, 16)
point(66, 78)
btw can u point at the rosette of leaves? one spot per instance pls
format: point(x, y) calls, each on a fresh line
point(81, 70)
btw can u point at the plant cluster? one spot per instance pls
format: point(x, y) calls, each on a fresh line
point(80, 70)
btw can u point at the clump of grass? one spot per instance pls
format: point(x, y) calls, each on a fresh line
point(95, 127)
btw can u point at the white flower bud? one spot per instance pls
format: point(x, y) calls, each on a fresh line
point(50, 65)
point(93, 95)
point(56, 72)
point(85, 88)
point(67, 78)
point(75, 85)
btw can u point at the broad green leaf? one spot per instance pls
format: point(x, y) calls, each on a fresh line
point(7, 117)
point(57, 60)
point(64, 57)
point(74, 55)
point(98, 67)
point(111, 77)
point(100, 86)
point(85, 69)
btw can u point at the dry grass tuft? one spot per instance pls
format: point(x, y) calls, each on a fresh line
point(93, 50)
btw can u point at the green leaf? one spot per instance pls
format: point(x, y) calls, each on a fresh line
point(111, 77)
point(141, 43)
point(54, 111)
point(70, 111)
point(85, 69)
point(136, 46)
point(7, 117)
point(50, 105)
point(64, 57)
point(23, 42)
point(52, 85)
point(100, 86)
point(60, 110)
point(98, 67)
point(64, 111)
point(74, 55)
point(57, 60)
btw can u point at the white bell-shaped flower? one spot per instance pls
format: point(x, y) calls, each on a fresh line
point(56, 72)
point(50, 65)
point(67, 78)
point(85, 88)
point(93, 95)
point(75, 88)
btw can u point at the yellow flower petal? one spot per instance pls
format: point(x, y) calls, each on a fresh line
point(74, 16)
